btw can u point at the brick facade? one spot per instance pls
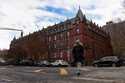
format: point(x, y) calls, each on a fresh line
point(31, 46)
point(57, 41)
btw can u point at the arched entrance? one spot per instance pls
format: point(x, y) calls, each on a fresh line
point(78, 53)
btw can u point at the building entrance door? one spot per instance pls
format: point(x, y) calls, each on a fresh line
point(78, 53)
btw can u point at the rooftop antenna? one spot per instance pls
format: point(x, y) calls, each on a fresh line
point(79, 7)
point(78, 3)
point(73, 3)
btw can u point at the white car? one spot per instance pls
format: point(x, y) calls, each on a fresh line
point(58, 63)
point(3, 62)
point(43, 63)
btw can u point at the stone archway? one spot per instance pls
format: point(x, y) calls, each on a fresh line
point(78, 52)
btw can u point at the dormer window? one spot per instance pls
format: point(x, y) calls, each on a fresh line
point(89, 26)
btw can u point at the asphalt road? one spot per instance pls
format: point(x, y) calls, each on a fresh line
point(20, 74)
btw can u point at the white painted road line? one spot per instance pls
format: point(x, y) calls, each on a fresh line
point(94, 79)
point(3, 68)
point(6, 80)
point(39, 71)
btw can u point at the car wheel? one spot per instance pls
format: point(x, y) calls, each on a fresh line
point(95, 65)
point(113, 65)
point(60, 65)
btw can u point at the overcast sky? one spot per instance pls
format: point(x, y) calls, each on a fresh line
point(32, 15)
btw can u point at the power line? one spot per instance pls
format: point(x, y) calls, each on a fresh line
point(12, 29)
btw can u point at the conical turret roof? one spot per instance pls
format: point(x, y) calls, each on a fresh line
point(80, 15)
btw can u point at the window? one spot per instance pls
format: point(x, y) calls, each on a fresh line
point(55, 31)
point(49, 38)
point(68, 34)
point(61, 54)
point(68, 55)
point(54, 45)
point(55, 55)
point(77, 30)
point(49, 46)
point(89, 26)
point(55, 37)
point(61, 35)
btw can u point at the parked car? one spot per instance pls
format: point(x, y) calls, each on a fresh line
point(26, 62)
point(107, 61)
point(2, 62)
point(59, 63)
point(122, 61)
point(44, 63)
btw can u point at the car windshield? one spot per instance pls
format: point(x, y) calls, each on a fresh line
point(2, 60)
point(108, 58)
point(59, 61)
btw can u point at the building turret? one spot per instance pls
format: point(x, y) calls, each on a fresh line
point(80, 15)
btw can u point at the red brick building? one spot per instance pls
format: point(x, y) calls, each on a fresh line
point(58, 40)
point(32, 46)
